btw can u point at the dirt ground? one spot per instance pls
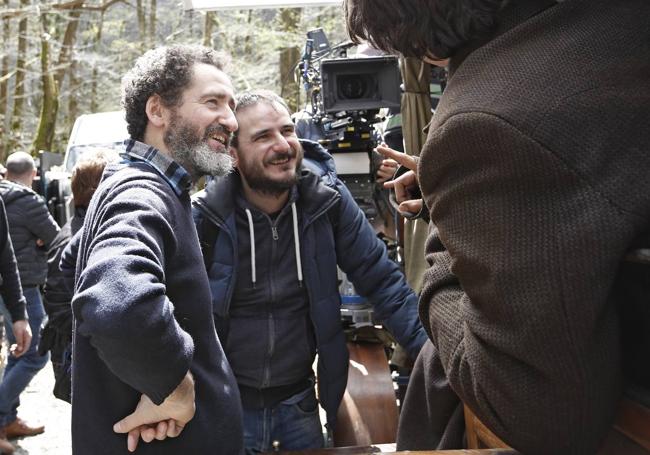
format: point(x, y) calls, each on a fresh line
point(38, 405)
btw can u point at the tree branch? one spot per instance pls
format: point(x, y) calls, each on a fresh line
point(49, 8)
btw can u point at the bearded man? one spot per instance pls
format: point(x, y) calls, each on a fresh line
point(273, 234)
point(144, 337)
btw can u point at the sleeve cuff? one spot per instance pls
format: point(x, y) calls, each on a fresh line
point(17, 311)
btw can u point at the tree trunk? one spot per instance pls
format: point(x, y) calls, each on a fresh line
point(19, 90)
point(74, 85)
point(152, 25)
point(142, 24)
point(49, 108)
point(4, 72)
point(208, 27)
point(289, 56)
point(93, 86)
point(69, 40)
point(247, 40)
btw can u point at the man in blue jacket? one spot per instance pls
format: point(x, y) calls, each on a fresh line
point(273, 234)
point(144, 339)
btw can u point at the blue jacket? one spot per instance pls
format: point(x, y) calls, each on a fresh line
point(334, 231)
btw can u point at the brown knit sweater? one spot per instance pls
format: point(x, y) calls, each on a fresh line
point(537, 174)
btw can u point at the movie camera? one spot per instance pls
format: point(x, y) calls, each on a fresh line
point(346, 95)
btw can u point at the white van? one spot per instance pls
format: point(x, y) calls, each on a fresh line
point(103, 129)
point(90, 131)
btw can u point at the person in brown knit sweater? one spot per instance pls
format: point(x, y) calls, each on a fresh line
point(535, 177)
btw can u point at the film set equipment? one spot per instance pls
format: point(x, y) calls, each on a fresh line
point(346, 95)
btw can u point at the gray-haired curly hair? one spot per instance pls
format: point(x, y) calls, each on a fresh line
point(165, 71)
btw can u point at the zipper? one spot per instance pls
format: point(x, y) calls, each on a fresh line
point(266, 380)
point(267, 367)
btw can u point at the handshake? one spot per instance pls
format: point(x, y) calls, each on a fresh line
point(403, 181)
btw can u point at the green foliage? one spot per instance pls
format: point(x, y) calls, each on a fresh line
point(254, 39)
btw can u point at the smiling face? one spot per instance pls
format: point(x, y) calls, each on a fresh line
point(200, 128)
point(268, 153)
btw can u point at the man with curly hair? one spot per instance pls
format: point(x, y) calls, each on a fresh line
point(534, 175)
point(146, 359)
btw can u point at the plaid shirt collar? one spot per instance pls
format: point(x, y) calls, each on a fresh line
point(170, 170)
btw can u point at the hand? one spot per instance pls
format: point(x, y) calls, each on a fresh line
point(39, 242)
point(403, 159)
point(149, 421)
point(404, 186)
point(410, 207)
point(23, 335)
point(386, 170)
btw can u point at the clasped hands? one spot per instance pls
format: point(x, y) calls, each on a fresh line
point(167, 420)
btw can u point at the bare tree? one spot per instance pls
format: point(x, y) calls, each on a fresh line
point(67, 46)
point(50, 103)
point(208, 27)
point(4, 78)
point(289, 88)
point(19, 88)
point(142, 21)
point(151, 35)
point(93, 80)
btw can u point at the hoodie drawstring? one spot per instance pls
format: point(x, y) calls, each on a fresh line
point(252, 233)
point(296, 242)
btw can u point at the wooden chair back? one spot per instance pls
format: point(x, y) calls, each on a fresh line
point(630, 434)
point(368, 413)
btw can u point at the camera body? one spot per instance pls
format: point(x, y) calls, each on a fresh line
point(346, 95)
point(360, 84)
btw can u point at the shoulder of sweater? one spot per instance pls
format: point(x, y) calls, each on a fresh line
point(136, 177)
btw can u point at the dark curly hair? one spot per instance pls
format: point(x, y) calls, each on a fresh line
point(165, 71)
point(252, 98)
point(420, 28)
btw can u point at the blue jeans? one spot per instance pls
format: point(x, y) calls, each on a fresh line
point(294, 423)
point(20, 371)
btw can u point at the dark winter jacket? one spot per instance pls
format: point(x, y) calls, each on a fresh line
point(333, 230)
point(143, 319)
point(56, 292)
point(535, 171)
point(56, 336)
point(29, 221)
point(10, 288)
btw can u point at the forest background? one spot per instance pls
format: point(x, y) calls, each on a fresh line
point(61, 59)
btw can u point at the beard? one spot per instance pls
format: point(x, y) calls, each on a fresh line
point(192, 151)
point(254, 174)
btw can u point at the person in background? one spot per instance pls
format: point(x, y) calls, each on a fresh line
point(144, 342)
point(56, 336)
point(32, 230)
point(12, 298)
point(273, 234)
point(534, 175)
